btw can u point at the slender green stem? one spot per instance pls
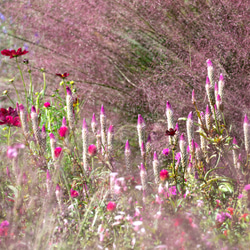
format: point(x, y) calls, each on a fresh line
point(44, 83)
point(8, 137)
point(18, 97)
point(10, 100)
point(26, 97)
point(31, 87)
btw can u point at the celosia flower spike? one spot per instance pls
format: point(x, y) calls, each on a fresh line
point(170, 119)
point(216, 90)
point(221, 86)
point(156, 168)
point(210, 93)
point(110, 139)
point(190, 128)
point(43, 138)
point(94, 124)
point(127, 154)
point(183, 149)
point(35, 125)
point(103, 126)
point(140, 129)
point(143, 175)
point(148, 144)
point(52, 145)
point(246, 133)
point(70, 108)
point(24, 122)
point(85, 144)
point(207, 118)
point(210, 72)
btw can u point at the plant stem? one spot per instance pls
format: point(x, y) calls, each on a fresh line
point(10, 100)
point(26, 97)
point(31, 87)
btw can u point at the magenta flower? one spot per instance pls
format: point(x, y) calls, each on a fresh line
point(12, 151)
point(221, 217)
point(9, 117)
point(13, 53)
point(57, 152)
point(64, 75)
point(63, 131)
point(46, 104)
point(73, 193)
point(247, 187)
point(92, 150)
point(165, 151)
point(4, 226)
point(164, 175)
point(111, 206)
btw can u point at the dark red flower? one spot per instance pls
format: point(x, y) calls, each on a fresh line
point(63, 75)
point(9, 117)
point(13, 53)
point(171, 132)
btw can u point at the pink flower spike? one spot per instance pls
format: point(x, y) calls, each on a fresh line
point(102, 110)
point(111, 206)
point(93, 119)
point(216, 87)
point(21, 107)
point(190, 116)
point(48, 177)
point(68, 91)
point(142, 168)
point(246, 121)
point(64, 122)
point(155, 156)
point(46, 104)
point(73, 193)
point(234, 141)
point(168, 106)
point(209, 63)
point(111, 129)
point(182, 137)
point(207, 81)
point(51, 135)
point(149, 139)
point(193, 97)
point(58, 189)
point(92, 150)
point(33, 109)
point(43, 129)
point(84, 124)
point(127, 146)
point(140, 121)
point(207, 110)
point(142, 147)
point(177, 127)
point(57, 152)
point(221, 77)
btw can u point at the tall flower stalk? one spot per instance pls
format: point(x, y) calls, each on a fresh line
point(70, 108)
point(35, 125)
point(170, 119)
point(140, 129)
point(85, 144)
point(127, 154)
point(156, 168)
point(103, 128)
point(246, 133)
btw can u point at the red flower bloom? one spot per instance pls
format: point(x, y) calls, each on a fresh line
point(9, 117)
point(63, 75)
point(111, 206)
point(243, 216)
point(171, 132)
point(13, 53)
point(164, 175)
point(73, 193)
point(231, 210)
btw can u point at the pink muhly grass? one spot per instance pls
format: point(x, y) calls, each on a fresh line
point(156, 168)
point(111, 206)
point(246, 133)
point(74, 193)
point(70, 108)
point(127, 154)
point(92, 150)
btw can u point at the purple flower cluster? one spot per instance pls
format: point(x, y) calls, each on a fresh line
point(221, 217)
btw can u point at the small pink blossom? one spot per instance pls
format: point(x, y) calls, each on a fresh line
point(164, 175)
point(46, 104)
point(111, 206)
point(63, 131)
point(92, 150)
point(165, 151)
point(73, 193)
point(57, 152)
point(247, 187)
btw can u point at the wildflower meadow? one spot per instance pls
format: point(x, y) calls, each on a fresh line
point(71, 178)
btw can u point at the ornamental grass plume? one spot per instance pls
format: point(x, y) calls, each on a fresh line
point(110, 139)
point(183, 149)
point(43, 138)
point(94, 124)
point(144, 181)
point(156, 168)
point(190, 129)
point(170, 119)
point(140, 129)
point(24, 122)
point(85, 144)
point(35, 125)
point(246, 133)
point(103, 127)
point(208, 118)
point(52, 145)
point(127, 154)
point(70, 108)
